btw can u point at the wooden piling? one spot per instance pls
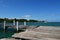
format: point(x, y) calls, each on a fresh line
point(4, 25)
point(24, 23)
point(13, 22)
point(17, 26)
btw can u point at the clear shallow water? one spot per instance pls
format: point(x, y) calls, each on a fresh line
point(42, 23)
point(39, 23)
point(8, 33)
point(11, 31)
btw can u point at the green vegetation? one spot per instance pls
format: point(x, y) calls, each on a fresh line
point(33, 20)
point(1, 20)
point(20, 20)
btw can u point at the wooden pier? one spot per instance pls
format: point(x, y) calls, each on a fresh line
point(15, 26)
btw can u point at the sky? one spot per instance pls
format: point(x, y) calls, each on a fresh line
point(31, 9)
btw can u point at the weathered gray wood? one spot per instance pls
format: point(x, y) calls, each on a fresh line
point(42, 33)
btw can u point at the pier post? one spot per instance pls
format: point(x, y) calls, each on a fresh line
point(17, 26)
point(24, 23)
point(4, 25)
point(13, 22)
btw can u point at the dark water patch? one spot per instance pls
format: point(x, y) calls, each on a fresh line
point(8, 32)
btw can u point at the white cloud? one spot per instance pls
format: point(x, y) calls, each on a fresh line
point(26, 16)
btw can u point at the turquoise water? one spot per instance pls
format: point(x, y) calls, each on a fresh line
point(42, 23)
point(10, 32)
point(7, 34)
point(39, 23)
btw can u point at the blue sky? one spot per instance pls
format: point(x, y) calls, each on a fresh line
point(31, 9)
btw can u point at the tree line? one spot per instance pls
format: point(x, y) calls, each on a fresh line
point(20, 20)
